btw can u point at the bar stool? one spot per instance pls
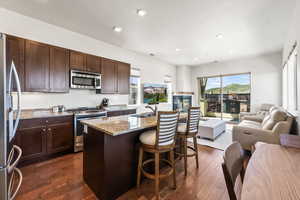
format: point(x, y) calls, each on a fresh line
point(189, 130)
point(161, 140)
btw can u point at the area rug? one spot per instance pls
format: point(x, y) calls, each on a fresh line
point(221, 142)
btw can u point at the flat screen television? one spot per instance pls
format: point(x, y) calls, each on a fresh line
point(155, 93)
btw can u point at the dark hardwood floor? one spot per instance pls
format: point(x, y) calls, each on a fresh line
point(61, 178)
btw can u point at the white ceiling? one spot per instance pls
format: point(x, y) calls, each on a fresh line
point(249, 27)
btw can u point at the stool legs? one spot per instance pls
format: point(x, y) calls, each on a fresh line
point(196, 150)
point(157, 175)
point(185, 155)
point(141, 153)
point(173, 166)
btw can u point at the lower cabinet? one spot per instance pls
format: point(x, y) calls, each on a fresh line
point(121, 112)
point(32, 142)
point(41, 138)
point(59, 137)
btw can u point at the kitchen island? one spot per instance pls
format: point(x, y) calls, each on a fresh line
point(111, 152)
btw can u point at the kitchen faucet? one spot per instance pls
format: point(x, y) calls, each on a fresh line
point(154, 110)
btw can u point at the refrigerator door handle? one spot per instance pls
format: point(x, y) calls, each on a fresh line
point(11, 166)
point(18, 115)
point(12, 195)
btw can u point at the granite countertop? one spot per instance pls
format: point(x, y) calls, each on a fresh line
point(42, 113)
point(123, 124)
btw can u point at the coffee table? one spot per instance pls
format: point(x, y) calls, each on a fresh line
point(211, 128)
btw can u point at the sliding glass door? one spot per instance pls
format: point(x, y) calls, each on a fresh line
point(225, 96)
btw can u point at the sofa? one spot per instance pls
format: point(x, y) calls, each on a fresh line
point(256, 116)
point(276, 122)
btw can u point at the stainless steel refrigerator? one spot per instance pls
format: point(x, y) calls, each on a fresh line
point(10, 176)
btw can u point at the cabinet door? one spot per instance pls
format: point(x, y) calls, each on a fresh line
point(15, 50)
point(77, 60)
point(123, 73)
point(93, 64)
point(32, 142)
point(60, 137)
point(59, 70)
point(37, 62)
point(109, 78)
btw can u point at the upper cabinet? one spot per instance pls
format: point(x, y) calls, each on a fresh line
point(59, 69)
point(37, 63)
point(84, 62)
point(46, 68)
point(115, 77)
point(123, 75)
point(77, 60)
point(109, 78)
point(15, 49)
point(93, 63)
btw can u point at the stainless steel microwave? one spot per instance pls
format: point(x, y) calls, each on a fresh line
point(85, 80)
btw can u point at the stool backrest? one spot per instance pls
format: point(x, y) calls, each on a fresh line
point(194, 115)
point(166, 128)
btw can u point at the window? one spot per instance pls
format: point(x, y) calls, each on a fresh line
point(135, 84)
point(225, 96)
point(289, 82)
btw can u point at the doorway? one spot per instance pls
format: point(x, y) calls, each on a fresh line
point(225, 96)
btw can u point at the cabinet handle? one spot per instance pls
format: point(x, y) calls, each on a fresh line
point(49, 129)
point(44, 130)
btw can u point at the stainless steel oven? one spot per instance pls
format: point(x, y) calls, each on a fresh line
point(85, 80)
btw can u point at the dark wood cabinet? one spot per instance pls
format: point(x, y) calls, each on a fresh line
point(32, 142)
point(115, 77)
point(121, 112)
point(44, 137)
point(60, 137)
point(45, 68)
point(109, 76)
point(59, 69)
point(15, 50)
point(77, 60)
point(93, 63)
point(123, 75)
point(37, 63)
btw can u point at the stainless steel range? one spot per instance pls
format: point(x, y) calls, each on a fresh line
point(83, 113)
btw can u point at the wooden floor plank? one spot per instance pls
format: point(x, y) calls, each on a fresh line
point(61, 179)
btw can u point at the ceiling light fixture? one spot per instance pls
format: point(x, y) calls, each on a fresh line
point(177, 49)
point(196, 59)
point(219, 36)
point(117, 29)
point(141, 12)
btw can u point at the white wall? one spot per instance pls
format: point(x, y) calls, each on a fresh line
point(292, 38)
point(265, 76)
point(183, 79)
point(152, 70)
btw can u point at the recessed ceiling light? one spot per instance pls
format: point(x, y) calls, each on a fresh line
point(117, 29)
point(196, 59)
point(231, 52)
point(141, 12)
point(219, 36)
point(177, 49)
